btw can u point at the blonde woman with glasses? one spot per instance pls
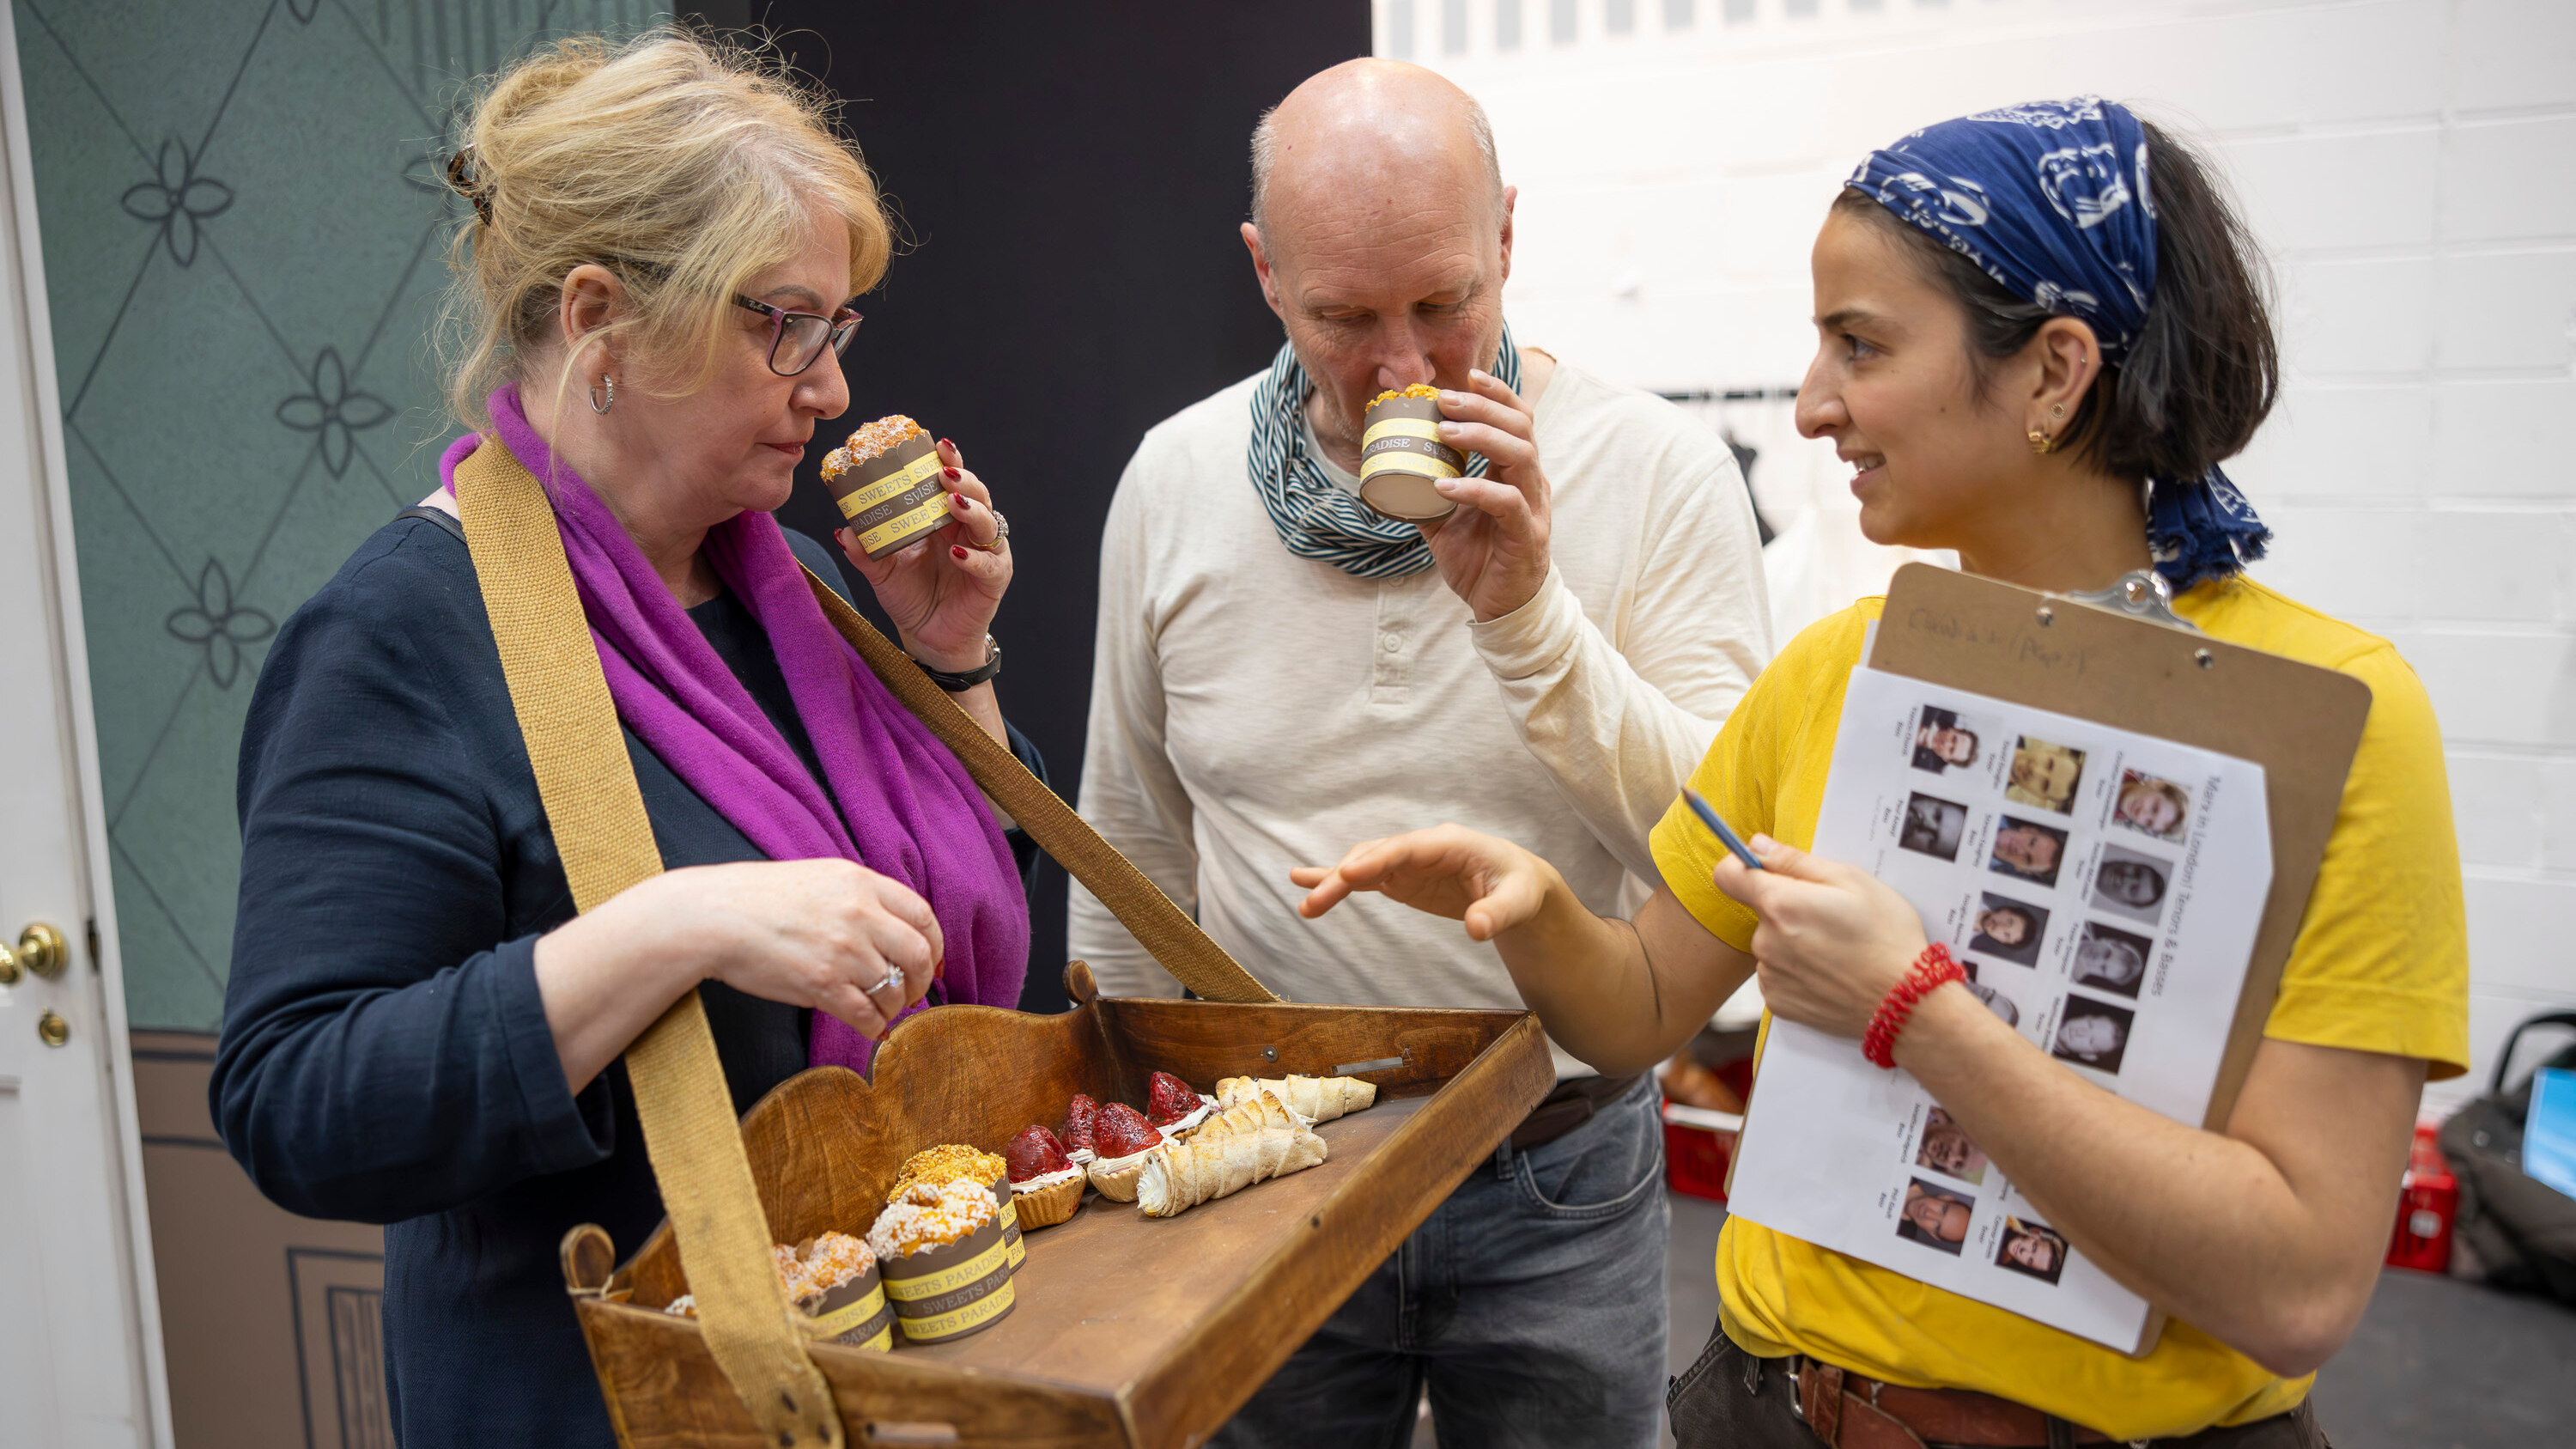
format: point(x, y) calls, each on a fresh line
point(653, 291)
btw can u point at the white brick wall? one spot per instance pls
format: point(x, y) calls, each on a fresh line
point(2406, 161)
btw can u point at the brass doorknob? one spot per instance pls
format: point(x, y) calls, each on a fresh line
point(41, 949)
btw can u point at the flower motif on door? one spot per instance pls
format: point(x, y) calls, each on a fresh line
point(219, 626)
point(178, 200)
point(333, 409)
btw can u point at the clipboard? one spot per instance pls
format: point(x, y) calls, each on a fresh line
point(2302, 723)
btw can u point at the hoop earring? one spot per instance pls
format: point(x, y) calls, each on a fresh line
point(599, 406)
point(2040, 443)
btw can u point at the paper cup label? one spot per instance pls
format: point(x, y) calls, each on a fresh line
point(947, 1291)
point(926, 513)
point(849, 1306)
point(1410, 455)
point(874, 1330)
point(967, 1273)
point(982, 1312)
point(1013, 1250)
point(1402, 435)
point(893, 485)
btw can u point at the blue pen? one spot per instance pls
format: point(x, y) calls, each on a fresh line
point(1717, 826)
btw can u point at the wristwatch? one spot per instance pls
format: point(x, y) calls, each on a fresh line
point(980, 674)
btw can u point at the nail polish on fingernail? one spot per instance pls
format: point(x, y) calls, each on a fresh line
point(957, 552)
point(960, 501)
point(952, 473)
point(952, 447)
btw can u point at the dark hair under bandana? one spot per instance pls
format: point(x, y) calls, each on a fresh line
point(2050, 198)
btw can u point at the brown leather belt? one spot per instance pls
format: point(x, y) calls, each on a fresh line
point(1852, 1412)
point(1568, 1107)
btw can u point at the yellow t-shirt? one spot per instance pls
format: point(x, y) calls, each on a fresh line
point(2380, 965)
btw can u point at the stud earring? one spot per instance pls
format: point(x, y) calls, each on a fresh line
point(599, 404)
point(2041, 443)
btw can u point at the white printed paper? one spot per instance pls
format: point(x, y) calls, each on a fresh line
point(2101, 888)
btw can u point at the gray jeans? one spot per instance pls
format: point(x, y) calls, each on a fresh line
point(1531, 1304)
point(1731, 1400)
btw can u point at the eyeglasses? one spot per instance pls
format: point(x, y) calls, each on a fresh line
point(797, 338)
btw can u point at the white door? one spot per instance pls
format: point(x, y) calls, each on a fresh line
point(76, 1337)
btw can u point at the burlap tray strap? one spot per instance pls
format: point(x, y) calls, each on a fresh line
point(600, 829)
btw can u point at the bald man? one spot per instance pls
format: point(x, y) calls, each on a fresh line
point(1281, 674)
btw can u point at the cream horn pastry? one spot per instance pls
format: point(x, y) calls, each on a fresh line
point(1401, 455)
point(889, 483)
point(1237, 1148)
point(1317, 1099)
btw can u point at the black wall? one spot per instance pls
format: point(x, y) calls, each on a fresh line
point(1071, 176)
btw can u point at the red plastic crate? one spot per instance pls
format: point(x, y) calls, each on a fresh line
point(1696, 1154)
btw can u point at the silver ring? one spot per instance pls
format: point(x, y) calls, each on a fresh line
point(1001, 531)
point(893, 977)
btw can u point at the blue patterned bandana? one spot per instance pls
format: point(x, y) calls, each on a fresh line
point(2050, 199)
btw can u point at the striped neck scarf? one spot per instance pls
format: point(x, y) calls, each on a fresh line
point(1316, 519)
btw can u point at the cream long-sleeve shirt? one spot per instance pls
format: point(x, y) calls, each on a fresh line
point(1253, 711)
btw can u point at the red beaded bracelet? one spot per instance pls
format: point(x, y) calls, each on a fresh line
point(1930, 972)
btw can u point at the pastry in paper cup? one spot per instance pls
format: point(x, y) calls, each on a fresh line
point(1401, 456)
point(950, 1290)
point(889, 483)
point(833, 1281)
point(950, 1160)
point(947, 1270)
point(854, 1312)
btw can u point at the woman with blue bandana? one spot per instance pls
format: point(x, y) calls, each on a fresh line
point(2040, 329)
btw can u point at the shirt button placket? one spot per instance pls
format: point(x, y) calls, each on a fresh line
point(1392, 673)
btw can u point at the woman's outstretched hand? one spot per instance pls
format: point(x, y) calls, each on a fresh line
point(942, 590)
point(1492, 885)
point(1833, 941)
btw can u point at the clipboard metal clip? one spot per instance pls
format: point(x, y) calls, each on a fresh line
point(2140, 594)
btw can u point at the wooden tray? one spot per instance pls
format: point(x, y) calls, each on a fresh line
point(1129, 1331)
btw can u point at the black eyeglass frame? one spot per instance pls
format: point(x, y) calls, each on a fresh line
point(841, 327)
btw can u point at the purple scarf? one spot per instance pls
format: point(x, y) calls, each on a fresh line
point(906, 806)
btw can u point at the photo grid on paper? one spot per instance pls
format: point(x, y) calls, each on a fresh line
point(2073, 872)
